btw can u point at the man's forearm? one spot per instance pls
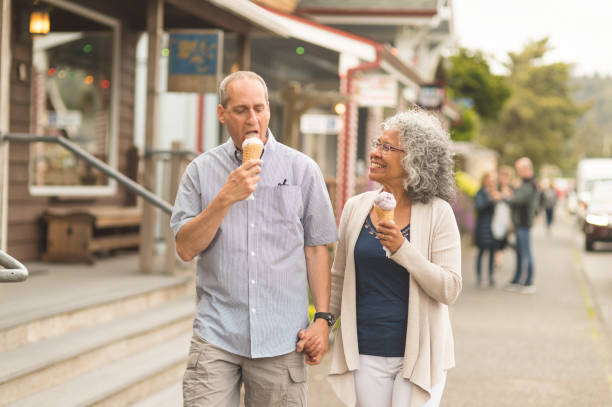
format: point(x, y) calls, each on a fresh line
point(196, 235)
point(319, 276)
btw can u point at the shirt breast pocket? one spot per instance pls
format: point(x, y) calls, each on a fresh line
point(284, 202)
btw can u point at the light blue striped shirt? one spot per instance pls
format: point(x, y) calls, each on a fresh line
point(251, 280)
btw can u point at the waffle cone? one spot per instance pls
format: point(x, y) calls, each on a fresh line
point(251, 151)
point(383, 214)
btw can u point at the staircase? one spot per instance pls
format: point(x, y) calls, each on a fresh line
point(95, 336)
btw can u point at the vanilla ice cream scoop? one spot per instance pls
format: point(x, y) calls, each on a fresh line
point(385, 201)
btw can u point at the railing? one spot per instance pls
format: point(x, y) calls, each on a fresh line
point(12, 271)
point(131, 185)
point(93, 161)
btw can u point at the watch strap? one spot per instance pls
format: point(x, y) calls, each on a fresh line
point(327, 316)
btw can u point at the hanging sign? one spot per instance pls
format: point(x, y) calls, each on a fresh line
point(195, 60)
point(431, 97)
point(377, 90)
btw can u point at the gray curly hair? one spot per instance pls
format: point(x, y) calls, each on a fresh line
point(428, 161)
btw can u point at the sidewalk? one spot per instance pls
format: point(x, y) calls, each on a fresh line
point(529, 350)
point(517, 349)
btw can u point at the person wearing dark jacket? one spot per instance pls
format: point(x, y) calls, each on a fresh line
point(486, 198)
point(524, 205)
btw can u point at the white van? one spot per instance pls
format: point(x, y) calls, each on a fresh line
point(589, 172)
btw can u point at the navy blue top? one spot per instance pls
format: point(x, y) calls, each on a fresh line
point(382, 296)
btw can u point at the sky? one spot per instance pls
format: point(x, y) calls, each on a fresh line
point(580, 31)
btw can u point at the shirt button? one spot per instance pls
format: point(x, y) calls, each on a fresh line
point(252, 225)
point(252, 281)
point(253, 310)
point(252, 253)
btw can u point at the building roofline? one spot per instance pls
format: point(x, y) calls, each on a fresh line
point(319, 11)
point(258, 15)
point(323, 27)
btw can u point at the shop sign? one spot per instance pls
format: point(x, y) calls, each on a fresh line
point(69, 120)
point(195, 60)
point(319, 124)
point(377, 90)
point(431, 97)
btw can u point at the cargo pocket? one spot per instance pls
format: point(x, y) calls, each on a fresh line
point(193, 379)
point(296, 389)
point(192, 361)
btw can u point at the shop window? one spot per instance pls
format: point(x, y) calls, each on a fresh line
point(74, 96)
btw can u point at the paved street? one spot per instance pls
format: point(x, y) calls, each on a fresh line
point(546, 349)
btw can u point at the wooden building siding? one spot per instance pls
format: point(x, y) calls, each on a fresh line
point(25, 231)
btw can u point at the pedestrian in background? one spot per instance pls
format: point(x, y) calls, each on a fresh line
point(524, 205)
point(501, 224)
point(485, 203)
point(256, 259)
point(548, 202)
point(393, 280)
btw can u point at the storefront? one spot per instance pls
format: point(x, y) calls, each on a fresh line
point(78, 81)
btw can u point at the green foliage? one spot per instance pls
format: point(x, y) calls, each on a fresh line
point(469, 76)
point(467, 128)
point(594, 130)
point(538, 120)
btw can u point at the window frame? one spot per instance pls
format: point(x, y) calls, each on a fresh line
point(113, 143)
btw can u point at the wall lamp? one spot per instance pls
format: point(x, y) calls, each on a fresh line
point(39, 19)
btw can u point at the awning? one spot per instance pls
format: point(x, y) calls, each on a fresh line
point(257, 15)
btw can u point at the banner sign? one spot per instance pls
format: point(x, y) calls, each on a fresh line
point(320, 124)
point(377, 90)
point(195, 60)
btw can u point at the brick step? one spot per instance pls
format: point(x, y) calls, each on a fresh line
point(120, 383)
point(74, 302)
point(43, 364)
point(171, 396)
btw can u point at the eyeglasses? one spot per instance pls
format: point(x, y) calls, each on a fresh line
point(384, 147)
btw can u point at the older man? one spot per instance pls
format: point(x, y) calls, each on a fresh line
point(256, 258)
point(524, 204)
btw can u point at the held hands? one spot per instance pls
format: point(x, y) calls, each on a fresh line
point(242, 181)
point(313, 341)
point(390, 235)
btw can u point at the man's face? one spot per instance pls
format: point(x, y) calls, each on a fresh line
point(523, 168)
point(247, 113)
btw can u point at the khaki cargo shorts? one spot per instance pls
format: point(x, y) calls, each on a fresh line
point(213, 378)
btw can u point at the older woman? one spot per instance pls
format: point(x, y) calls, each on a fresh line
point(392, 280)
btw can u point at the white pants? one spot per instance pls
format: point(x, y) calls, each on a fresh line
point(379, 383)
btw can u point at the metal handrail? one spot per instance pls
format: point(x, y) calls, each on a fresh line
point(151, 153)
point(95, 162)
point(13, 271)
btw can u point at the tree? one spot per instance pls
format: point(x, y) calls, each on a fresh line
point(539, 118)
point(594, 129)
point(470, 77)
point(467, 128)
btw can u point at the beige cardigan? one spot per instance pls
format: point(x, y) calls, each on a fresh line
point(433, 258)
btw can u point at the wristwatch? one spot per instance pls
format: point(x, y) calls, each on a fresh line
point(327, 316)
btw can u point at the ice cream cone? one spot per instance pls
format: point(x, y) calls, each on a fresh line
point(251, 150)
point(384, 214)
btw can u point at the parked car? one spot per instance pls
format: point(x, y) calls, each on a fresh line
point(598, 215)
point(590, 171)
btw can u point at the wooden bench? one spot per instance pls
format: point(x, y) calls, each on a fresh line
point(75, 234)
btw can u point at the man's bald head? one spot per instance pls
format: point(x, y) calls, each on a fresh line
point(524, 167)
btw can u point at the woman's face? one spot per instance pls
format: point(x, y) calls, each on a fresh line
point(386, 167)
point(491, 181)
